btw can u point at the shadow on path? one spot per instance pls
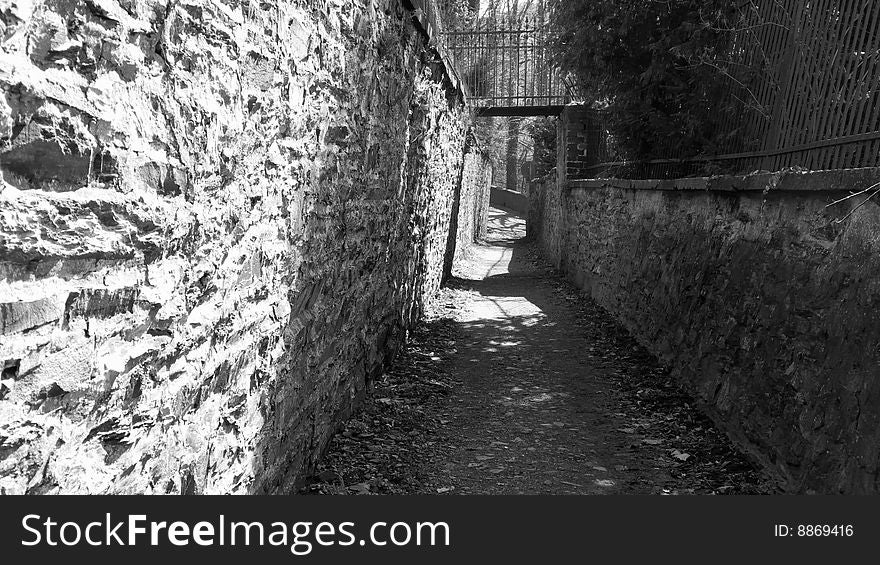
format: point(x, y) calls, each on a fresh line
point(520, 384)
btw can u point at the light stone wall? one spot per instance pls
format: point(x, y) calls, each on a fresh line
point(217, 220)
point(473, 212)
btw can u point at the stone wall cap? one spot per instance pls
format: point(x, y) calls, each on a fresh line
point(787, 181)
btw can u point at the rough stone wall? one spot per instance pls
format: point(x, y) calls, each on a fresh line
point(478, 182)
point(470, 210)
point(545, 217)
point(217, 220)
point(473, 210)
point(763, 305)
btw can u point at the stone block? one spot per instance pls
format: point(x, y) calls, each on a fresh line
point(21, 316)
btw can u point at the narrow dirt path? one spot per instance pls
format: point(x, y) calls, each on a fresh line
point(519, 384)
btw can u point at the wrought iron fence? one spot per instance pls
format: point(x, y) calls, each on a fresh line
point(805, 75)
point(507, 66)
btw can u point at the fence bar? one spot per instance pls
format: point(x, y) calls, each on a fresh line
point(806, 94)
point(505, 65)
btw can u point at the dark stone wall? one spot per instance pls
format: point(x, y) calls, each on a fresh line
point(763, 304)
point(516, 201)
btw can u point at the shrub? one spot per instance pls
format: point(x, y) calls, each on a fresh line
point(658, 68)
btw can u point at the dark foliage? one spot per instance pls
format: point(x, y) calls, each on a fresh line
point(457, 14)
point(657, 67)
point(543, 132)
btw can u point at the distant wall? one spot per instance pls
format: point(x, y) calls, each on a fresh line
point(471, 211)
point(511, 200)
point(764, 306)
point(217, 221)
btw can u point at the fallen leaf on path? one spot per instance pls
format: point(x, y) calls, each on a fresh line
point(360, 488)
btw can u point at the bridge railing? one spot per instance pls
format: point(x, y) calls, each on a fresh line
point(507, 65)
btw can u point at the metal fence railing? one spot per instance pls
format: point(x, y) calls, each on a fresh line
point(507, 64)
point(806, 77)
